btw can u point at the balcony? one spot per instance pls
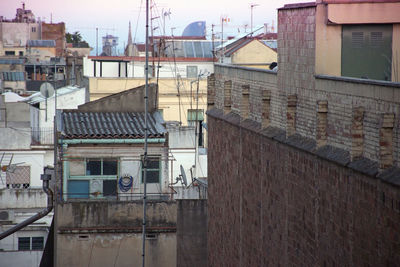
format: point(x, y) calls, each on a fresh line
point(42, 136)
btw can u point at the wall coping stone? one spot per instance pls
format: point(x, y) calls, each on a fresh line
point(328, 152)
point(245, 68)
point(357, 80)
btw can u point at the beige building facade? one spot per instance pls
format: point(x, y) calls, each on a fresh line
point(333, 18)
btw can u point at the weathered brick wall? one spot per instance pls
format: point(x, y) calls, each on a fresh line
point(272, 204)
point(296, 63)
point(191, 234)
point(319, 183)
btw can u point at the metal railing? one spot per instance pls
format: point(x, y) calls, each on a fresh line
point(42, 136)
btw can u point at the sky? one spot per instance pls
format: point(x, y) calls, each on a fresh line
point(113, 16)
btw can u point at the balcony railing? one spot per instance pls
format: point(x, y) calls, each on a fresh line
point(42, 136)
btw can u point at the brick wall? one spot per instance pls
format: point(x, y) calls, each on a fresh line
point(317, 183)
point(272, 204)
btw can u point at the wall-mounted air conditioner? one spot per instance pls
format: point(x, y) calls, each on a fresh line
point(96, 188)
point(6, 216)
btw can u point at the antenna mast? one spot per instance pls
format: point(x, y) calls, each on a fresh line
point(145, 137)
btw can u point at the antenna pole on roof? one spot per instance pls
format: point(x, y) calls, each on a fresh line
point(145, 137)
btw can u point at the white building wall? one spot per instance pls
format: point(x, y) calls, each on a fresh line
point(136, 68)
point(32, 158)
point(66, 101)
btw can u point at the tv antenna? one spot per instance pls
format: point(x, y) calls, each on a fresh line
point(6, 164)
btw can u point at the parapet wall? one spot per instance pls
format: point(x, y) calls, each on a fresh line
point(303, 169)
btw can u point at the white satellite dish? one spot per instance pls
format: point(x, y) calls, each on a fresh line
point(183, 175)
point(47, 90)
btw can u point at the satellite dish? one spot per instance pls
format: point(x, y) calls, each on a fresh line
point(183, 175)
point(47, 90)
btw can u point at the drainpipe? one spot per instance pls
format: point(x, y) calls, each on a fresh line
point(39, 215)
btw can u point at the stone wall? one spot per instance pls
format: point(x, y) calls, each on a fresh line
point(303, 169)
point(272, 204)
point(192, 233)
point(105, 233)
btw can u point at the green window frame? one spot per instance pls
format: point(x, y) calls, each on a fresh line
point(104, 169)
point(153, 169)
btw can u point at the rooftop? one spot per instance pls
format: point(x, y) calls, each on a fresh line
point(110, 125)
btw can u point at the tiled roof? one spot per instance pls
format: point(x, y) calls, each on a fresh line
point(41, 43)
point(11, 61)
point(110, 125)
point(12, 76)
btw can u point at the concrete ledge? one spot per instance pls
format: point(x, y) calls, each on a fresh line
point(357, 80)
point(230, 66)
point(328, 152)
point(301, 142)
point(365, 166)
point(334, 154)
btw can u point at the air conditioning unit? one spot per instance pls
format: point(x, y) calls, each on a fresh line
point(96, 188)
point(6, 216)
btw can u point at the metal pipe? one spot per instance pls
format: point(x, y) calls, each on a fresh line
point(111, 141)
point(145, 137)
point(39, 215)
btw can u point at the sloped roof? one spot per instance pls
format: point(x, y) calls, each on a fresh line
point(236, 46)
point(41, 43)
point(273, 44)
point(10, 61)
point(12, 76)
point(110, 125)
point(38, 97)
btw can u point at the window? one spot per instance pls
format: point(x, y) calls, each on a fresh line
point(97, 178)
point(78, 188)
point(37, 243)
point(191, 71)
point(33, 29)
point(367, 51)
point(101, 167)
point(194, 115)
point(31, 243)
point(197, 116)
point(109, 188)
point(24, 243)
point(10, 53)
point(21, 53)
point(153, 169)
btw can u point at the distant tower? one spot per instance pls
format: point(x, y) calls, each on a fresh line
point(110, 44)
point(130, 47)
point(129, 34)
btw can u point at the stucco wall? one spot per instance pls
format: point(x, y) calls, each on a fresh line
point(108, 233)
point(168, 100)
point(254, 52)
point(328, 45)
point(192, 233)
point(328, 42)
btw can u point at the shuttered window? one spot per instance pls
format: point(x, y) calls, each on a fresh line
point(367, 51)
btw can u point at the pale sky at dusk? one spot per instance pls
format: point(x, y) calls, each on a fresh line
point(85, 15)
